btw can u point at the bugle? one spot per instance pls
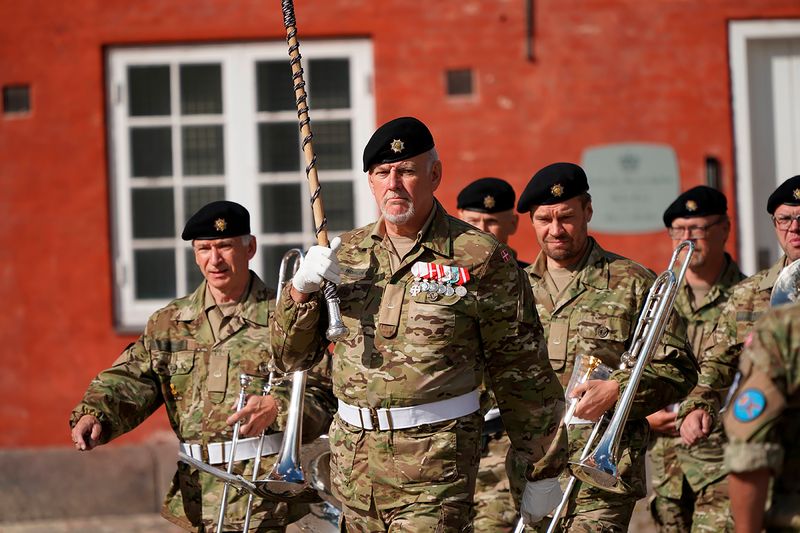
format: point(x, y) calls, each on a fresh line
point(600, 467)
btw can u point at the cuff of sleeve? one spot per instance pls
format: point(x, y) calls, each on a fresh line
point(82, 410)
point(747, 457)
point(691, 404)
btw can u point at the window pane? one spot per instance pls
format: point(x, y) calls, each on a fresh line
point(329, 83)
point(274, 86)
point(339, 206)
point(332, 144)
point(201, 89)
point(272, 255)
point(278, 147)
point(148, 91)
point(281, 208)
point(193, 275)
point(196, 197)
point(203, 150)
point(155, 273)
point(151, 152)
point(153, 213)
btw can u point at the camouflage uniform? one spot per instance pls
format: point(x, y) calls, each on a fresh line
point(766, 435)
point(171, 364)
point(689, 483)
point(596, 315)
point(405, 350)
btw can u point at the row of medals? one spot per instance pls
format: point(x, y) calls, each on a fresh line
point(436, 289)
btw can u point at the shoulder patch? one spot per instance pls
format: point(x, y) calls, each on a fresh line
point(749, 405)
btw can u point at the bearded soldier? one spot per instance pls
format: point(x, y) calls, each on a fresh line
point(689, 482)
point(432, 306)
point(589, 301)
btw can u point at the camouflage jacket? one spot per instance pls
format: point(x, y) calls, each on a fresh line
point(701, 464)
point(718, 364)
point(762, 422)
point(596, 314)
point(405, 350)
point(170, 364)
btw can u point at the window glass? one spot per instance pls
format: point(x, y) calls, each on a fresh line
point(201, 89)
point(329, 82)
point(281, 210)
point(272, 255)
point(148, 90)
point(155, 273)
point(339, 205)
point(203, 151)
point(332, 144)
point(153, 213)
point(151, 152)
point(274, 88)
point(279, 146)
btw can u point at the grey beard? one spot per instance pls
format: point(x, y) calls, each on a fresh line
point(400, 219)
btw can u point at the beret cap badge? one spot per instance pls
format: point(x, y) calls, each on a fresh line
point(488, 201)
point(557, 190)
point(691, 205)
point(397, 146)
point(796, 194)
point(220, 224)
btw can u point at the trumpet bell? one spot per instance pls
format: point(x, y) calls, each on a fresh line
point(598, 470)
point(787, 287)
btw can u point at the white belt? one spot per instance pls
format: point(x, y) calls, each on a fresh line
point(370, 418)
point(220, 452)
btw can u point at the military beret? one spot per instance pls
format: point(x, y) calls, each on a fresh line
point(217, 220)
point(698, 201)
point(553, 184)
point(397, 140)
point(787, 193)
point(487, 195)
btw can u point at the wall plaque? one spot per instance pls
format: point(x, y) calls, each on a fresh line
point(631, 185)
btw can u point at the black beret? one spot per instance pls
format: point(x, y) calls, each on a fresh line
point(553, 184)
point(487, 195)
point(217, 220)
point(698, 201)
point(397, 140)
point(787, 193)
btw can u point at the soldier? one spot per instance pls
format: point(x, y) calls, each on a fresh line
point(699, 412)
point(763, 427)
point(589, 301)
point(431, 304)
point(189, 359)
point(488, 204)
point(689, 482)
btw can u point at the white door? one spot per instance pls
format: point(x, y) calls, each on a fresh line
point(765, 68)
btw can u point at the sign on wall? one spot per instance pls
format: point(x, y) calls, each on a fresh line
point(631, 185)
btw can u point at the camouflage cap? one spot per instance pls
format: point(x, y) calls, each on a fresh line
point(787, 193)
point(487, 195)
point(698, 201)
point(553, 184)
point(397, 140)
point(217, 220)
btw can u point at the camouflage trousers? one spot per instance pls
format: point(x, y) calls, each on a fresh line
point(494, 506)
point(706, 510)
point(441, 517)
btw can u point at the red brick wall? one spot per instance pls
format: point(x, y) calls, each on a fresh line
point(603, 72)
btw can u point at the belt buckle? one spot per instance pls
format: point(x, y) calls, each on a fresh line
point(373, 417)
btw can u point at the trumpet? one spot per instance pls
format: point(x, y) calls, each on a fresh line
point(600, 467)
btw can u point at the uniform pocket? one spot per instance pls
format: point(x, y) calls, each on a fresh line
point(425, 456)
point(175, 370)
point(430, 322)
point(344, 440)
point(604, 337)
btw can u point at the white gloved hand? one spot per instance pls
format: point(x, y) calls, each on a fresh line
point(319, 263)
point(540, 497)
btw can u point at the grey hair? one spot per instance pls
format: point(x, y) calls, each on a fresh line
point(247, 239)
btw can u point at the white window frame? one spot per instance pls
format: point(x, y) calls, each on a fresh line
point(241, 179)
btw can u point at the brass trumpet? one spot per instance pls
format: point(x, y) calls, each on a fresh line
point(600, 468)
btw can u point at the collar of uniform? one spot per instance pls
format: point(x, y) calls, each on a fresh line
point(434, 234)
point(768, 281)
point(731, 275)
point(592, 277)
point(249, 307)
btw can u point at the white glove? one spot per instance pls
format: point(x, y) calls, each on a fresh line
point(320, 263)
point(540, 497)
